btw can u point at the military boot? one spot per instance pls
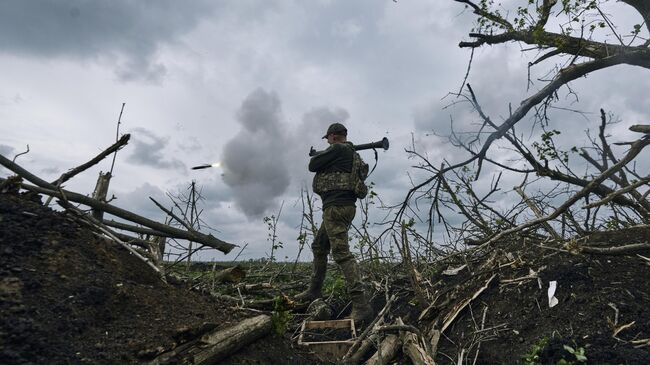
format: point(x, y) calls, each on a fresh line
point(361, 311)
point(315, 289)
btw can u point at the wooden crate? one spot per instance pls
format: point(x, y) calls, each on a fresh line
point(329, 350)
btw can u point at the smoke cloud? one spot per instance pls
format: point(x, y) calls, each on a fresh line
point(255, 161)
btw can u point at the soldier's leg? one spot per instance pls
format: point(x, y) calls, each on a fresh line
point(337, 221)
point(320, 249)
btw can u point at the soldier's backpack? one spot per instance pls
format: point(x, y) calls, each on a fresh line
point(359, 174)
point(354, 181)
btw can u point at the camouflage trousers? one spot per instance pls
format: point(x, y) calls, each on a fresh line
point(333, 236)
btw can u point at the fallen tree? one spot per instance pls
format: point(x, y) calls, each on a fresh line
point(217, 345)
point(46, 188)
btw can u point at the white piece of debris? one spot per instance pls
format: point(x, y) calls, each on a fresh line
point(552, 300)
point(452, 272)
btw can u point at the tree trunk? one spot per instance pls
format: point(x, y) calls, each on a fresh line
point(386, 352)
point(45, 187)
point(413, 350)
point(101, 190)
point(218, 345)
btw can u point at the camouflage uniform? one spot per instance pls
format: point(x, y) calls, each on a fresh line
point(333, 236)
point(339, 210)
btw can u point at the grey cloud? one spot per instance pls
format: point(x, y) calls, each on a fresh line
point(319, 118)
point(308, 134)
point(6, 150)
point(191, 144)
point(50, 170)
point(138, 201)
point(128, 31)
point(212, 190)
point(255, 161)
point(148, 150)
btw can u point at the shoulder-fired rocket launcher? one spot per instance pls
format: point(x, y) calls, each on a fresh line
point(358, 147)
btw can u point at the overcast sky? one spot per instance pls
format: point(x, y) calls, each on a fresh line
point(254, 84)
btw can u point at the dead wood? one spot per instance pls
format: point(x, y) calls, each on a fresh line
point(386, 351)
point(218, 345)
point(365, 347)
point(81, 168)
point(400, 327)
point(411, 348)
point(449, 318)
point(157, 248)
point(171, 214)
point(135, 229)
point(646, 259)
point(100, 192)
point(45, 188)
point(618, 250)
point(132, 240)
point(616, 193)
point(84, 218)
point(538, 212)
point(370, 328)
point(414, 276)
point(233, 274)
point(11, 185)
point(433, 342)
point(635, 149)
point(641, 128)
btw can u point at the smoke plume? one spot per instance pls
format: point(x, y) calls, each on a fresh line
point(255, 160)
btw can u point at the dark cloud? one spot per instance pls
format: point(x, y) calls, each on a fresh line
point(124, 32)
point(148, 149)
point(255, 161)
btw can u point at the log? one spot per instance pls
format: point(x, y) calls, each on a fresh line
point(218, 345)
point(43, 187)
point(364, 348)
point(387, 350)
point(411, 348)
point(233, 274)
point(134, 229)
point(221, 344)
point(370, 328)
point(616, 250)
point(640, 128)
point(100, 192)
point(72, 172)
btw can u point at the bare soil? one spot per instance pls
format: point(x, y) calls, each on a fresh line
point(597, 294)
point(68, 296)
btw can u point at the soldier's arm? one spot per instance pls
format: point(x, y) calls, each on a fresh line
point(324, 159)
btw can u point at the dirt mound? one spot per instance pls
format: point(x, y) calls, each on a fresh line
point(69, 296)
point(601, 314)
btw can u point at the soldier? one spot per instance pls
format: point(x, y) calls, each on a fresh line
point(335, 183)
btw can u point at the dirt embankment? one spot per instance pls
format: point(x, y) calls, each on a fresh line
point(602, 310)
point(70, 297)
